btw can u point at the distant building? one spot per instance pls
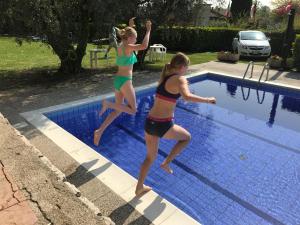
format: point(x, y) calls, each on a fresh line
point(201, 14)
point(218, 13)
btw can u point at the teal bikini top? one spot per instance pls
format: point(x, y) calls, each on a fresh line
point(124, 60)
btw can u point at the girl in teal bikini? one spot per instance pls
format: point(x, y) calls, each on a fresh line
point(123, 79)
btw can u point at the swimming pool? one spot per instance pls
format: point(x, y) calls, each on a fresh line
point(242, 165)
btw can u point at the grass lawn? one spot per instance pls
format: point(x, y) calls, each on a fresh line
point(35, 57)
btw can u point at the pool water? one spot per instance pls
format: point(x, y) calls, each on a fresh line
point(242, 165)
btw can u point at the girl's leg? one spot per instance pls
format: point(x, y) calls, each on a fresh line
point(129, 94)
point(109, 119)
point(152, 147)
point(183, 137)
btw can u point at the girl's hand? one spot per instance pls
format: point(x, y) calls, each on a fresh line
point(211, 100)
point(131, 22)
point(148, 25)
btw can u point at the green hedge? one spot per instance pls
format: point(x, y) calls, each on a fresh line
point(276, 41)
point(202, 39)
point(297, 52)
point(195, 39)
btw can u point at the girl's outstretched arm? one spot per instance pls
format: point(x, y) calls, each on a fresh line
point(188, 96)
point(144, 45)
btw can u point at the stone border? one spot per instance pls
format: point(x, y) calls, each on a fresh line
point(61, 176)
point(124, 186)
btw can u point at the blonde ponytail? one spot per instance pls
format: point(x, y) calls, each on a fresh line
point(164, 72)
point(177, 61)
point(127, 32)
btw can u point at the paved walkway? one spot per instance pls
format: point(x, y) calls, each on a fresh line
point(31, 192)
point(282, 77)
point(14, 207)
point(55, 202)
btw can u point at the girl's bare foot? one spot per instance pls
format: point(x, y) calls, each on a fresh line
point(143, 190)
point(166, 167)
point(104, 107)
point(97, 137)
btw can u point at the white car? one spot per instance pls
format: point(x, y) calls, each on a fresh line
point(252, 43)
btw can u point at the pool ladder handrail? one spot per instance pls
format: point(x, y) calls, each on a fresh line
point(250, 63)
point(266, 66)
point(243, 93)
point(260, 101)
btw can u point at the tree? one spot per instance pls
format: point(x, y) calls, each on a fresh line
point(282, 7)
point(164, 13)
point(240, 8)
point(264, 17)
point(279, 3)
point(219, 3)
point(65, 24)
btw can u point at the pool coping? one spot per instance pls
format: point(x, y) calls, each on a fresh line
point(124, 186)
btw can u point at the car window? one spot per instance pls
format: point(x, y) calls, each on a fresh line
point(253, 36)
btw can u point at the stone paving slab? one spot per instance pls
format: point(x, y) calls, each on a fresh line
point(31, 193)
point(14, 207)
point(19, 214)
point(10, 194)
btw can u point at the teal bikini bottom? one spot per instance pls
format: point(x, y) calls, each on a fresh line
point(119, 81)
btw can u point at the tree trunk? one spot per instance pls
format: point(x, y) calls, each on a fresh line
point(71, 62)
point(69, 55)
point(240, 9)
point(70, 66)
point(141, 59)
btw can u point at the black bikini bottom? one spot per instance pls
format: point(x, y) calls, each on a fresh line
point(158, 127)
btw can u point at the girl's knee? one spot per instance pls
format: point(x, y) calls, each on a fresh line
point(150, 159)
point(188, 137)
point(133, 110)
point(117, 112)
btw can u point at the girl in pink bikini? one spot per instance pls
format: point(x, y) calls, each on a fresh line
point(159, 123)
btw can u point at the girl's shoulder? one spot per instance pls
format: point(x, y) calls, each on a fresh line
point(177, 76)
point(124, 50)
point(182, 79)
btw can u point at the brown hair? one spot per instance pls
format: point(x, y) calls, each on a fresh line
point(127, 32)
point(177, 61)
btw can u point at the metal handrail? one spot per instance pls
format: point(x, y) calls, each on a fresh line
point(266, 66)
point(245, 97)
point(260, 101)
point(250, 63)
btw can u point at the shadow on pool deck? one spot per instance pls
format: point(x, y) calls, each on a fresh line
point(82, 176)
point(121, 214)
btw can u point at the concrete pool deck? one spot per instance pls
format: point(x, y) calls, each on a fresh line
point(13, 102)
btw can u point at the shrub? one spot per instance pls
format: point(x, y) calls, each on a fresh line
point(202, 39)
point(195, 39)
point(276, 41)
point(297, 53)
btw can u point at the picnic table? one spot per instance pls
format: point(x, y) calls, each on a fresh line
point(94, 56)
